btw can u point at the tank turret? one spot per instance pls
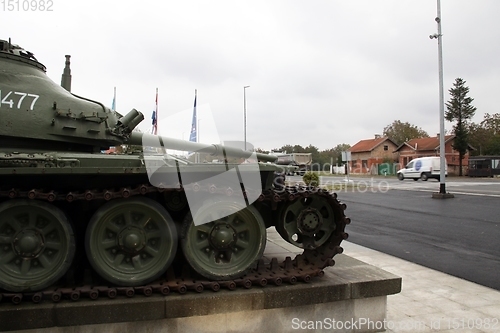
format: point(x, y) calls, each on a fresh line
point(39, 113)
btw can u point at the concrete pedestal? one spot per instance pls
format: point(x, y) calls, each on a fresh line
point(352, 296)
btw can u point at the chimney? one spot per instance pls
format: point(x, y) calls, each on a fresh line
point(377, 136)
point(437, 136)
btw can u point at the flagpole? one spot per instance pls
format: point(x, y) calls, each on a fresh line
point(114, 99)
point(195, 122)
point(193, 134)
point(195, 115)
point(156, 122)
point(245, 115)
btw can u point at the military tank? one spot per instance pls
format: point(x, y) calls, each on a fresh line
point(75, 222)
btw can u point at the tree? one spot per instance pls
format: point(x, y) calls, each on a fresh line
point(262, 151)
point(401, 132)
point(314, 152)
point(337, 152)
point(460, 110)
point(485, 136)
point(493, 147)
point(491, 123)
point(286, 148)
point(478, 138)
point(298, 149)
point(333, 155)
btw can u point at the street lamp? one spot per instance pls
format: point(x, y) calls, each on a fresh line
point(245, 115)
point(442, 175)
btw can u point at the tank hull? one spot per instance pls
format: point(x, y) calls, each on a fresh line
point(79, 185)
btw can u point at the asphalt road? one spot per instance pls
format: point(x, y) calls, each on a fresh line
point(459, 236)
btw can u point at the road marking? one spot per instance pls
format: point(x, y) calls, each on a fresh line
point(464, 193)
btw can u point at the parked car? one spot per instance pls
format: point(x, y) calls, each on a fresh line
point(423, 168)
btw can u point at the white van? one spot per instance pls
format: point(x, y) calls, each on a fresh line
point(423, 168)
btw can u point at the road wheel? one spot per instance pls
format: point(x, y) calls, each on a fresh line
point(37, 245)
point(307, 223)
point(424, 177)
point(131, 242)
point(227, 247)
point(400, 176)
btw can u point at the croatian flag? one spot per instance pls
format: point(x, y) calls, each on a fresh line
point(193, 136)
point(153, 117)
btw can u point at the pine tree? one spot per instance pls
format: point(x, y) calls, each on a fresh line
point(460, 110)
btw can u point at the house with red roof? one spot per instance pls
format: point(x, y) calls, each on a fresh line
point(423, 147)
point(368, 155)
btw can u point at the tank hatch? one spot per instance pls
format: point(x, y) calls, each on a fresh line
point(15, 52)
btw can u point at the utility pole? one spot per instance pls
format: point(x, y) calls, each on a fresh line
point(442, 156)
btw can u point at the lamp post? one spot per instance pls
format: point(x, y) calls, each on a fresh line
point(245, 115)
point(442, 156)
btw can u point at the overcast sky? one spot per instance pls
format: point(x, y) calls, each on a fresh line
point(320, 72)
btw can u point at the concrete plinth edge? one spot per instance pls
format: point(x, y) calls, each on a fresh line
point(352, 294)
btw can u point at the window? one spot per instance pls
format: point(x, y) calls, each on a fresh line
point(386, 147)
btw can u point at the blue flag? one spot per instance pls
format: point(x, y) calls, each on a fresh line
point(154, 117)
point(193, 136)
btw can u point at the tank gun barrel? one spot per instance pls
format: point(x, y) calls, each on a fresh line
point(137, 138)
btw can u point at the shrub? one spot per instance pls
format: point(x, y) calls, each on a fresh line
point(311, 178)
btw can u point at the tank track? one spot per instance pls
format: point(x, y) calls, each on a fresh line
point(303, 267)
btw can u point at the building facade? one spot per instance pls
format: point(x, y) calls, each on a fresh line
point(374, 156)
point(424, 147)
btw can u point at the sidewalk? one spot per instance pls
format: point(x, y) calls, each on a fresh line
point(430, 301)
